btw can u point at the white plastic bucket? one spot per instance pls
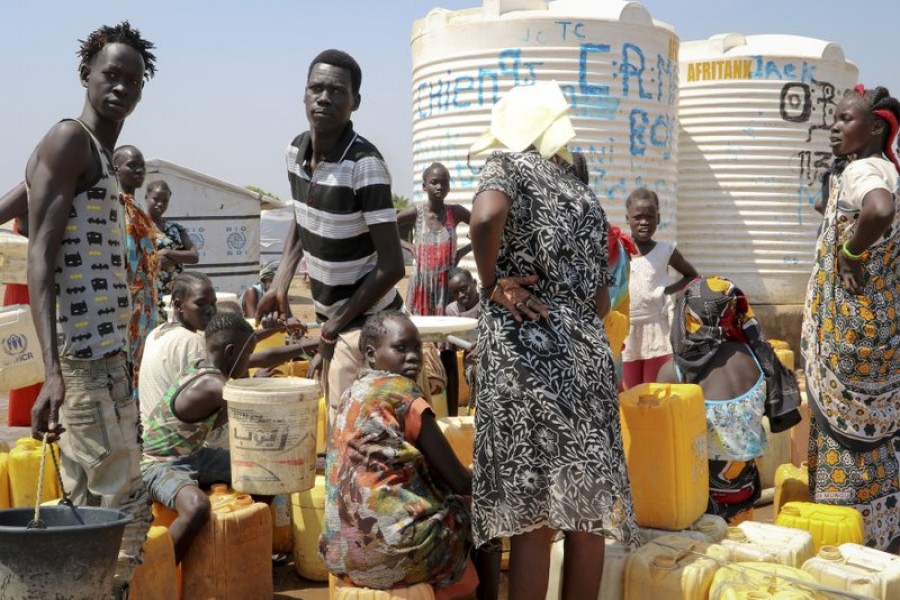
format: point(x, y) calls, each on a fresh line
point(13, 257)
point(20, 352)
point(272, 434)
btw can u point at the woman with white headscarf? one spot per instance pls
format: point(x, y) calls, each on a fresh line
point(548, 448)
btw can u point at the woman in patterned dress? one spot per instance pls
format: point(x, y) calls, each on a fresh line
point(548, 448)
point(850, 323)
point(396, 511)
point(141, 260)
point(174, 246)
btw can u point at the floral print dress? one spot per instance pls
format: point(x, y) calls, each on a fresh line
point(548, 447)
point(850, 344)
point(389, 521)
point(142, 271)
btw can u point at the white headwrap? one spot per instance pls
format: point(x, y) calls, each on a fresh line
point(534, 115)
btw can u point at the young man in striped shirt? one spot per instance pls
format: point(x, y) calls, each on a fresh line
point(345, 224)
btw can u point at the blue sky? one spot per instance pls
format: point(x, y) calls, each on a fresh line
point(227, 97)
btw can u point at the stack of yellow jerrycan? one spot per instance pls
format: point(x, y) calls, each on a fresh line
point(308, 511)
point(672, 567)
point(708, 528)
point(5, 496)
point(460, 432)
point(231, 557)
point(664, 435)
point(24, 469)
point(857, 569)
point(829, 525)
point(769, 543)
point(791, 485)
point(157, 577)
point(761, 580)
point(612, 584)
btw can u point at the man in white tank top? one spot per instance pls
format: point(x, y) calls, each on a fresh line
point(79, 296)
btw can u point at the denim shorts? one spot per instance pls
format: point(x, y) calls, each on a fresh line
point(205, 467)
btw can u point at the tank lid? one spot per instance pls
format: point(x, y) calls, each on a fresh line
point(624, 11)
point(738, 44)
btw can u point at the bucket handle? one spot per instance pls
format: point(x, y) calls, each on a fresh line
point(36, 522)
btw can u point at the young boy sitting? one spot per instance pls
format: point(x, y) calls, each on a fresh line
point(175, 462)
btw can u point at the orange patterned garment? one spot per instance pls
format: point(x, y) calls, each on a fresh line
point(142, 268)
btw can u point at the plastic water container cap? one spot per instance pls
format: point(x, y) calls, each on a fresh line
point(828, 552)
point(790, 510)
point(219, 488)
point(243, 500)
point(736, 534)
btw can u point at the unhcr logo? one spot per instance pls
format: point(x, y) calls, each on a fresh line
point(15, 344)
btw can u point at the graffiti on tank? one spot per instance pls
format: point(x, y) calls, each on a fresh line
point(634, 78)
point(812, 103)
point(621, 81)
point(767, 69)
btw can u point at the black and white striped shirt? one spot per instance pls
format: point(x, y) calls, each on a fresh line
point(334, 205)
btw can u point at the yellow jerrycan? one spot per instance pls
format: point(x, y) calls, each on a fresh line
point(791, 485)
point(673, 567)
point(231, 557)
point(752, 541)
point(5, 494)
point(759, 580)
point(24, 468)
point(858, 569)
point(829, 525)
point(157, 577)
point(308, 511)
point(664, 435)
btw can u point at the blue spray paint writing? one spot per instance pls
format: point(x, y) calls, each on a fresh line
point(770, 69)
point(588, 99)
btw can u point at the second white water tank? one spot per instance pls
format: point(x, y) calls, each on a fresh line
point(755, 112)
point(615, 64)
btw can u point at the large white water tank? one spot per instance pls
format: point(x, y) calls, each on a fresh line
point(615, 64)
point(755, 112)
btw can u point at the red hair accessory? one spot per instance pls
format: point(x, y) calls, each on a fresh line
point(860, 89)
point(888, 143)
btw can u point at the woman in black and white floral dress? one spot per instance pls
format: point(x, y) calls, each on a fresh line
point(548, 447)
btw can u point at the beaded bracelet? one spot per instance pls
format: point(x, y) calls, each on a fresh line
point(850, 255)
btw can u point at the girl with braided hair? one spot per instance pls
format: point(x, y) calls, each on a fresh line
point(850, 323)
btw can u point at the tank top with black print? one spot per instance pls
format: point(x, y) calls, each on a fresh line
point(92, 302)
